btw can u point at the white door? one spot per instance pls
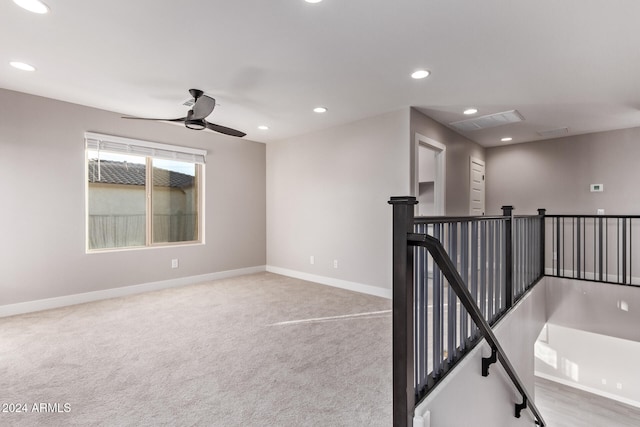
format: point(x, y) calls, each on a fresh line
point(476, 187)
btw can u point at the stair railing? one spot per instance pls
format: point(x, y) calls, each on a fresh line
point(405, 239)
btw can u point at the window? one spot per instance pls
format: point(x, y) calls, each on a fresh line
point(142, 193)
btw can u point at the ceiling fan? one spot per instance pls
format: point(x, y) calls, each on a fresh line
point(195, 119)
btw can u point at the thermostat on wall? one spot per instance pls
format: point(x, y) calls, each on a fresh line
point(597, 188)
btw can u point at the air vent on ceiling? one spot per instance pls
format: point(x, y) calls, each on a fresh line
point(552, 133)
point(488, 121)
point(189, 102)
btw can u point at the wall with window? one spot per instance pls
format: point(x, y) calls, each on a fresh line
point(42, 171)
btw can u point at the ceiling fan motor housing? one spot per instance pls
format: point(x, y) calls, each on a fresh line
point(195, 124)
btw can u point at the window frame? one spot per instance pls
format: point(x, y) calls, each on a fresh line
point(147, 150)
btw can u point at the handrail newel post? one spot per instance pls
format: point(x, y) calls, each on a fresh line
point(403, 351)
point(508, 254)
point(542, 213)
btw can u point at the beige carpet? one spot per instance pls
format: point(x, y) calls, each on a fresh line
point(237, 352)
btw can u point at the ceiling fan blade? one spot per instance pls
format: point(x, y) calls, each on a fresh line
point(158, 120)
point(225, 130)
point(203, 107)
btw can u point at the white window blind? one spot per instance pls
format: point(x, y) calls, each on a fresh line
point(117, 144)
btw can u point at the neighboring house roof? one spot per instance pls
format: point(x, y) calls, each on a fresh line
point(110, 172)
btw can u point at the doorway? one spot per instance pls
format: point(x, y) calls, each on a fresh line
point(429, 179)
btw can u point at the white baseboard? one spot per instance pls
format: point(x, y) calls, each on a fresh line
point(588, 389)
point(330, 281)
point(63, 301)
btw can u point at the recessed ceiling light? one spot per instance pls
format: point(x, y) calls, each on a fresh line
point(22, 66)
point(320, 110)
point(506, 139)
point(263, 127)
point(420, 74)
point(470, 111)
point(313, 1)
point(35, 6)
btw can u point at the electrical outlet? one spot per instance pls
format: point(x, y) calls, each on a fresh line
point(604, 381)
point(619, 386)
point(600, 212)
point(174, 263)
point(312, 260)
point(335, 263)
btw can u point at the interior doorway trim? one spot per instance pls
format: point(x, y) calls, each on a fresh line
point(440, 172)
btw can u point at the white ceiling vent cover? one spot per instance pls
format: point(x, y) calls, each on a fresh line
point(488, 121)
point(551, 133)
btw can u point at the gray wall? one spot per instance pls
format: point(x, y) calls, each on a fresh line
point(42, 171)
point(592, 335)
point(327, 196)
point(327, 193)
point(459, 150)
point(555, 174)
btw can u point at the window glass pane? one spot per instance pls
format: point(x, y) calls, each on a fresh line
point(117, 200)
point(174, 201)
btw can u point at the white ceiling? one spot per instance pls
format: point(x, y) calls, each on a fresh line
point(560, 63)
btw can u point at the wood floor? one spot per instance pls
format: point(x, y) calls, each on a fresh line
point(563, 406)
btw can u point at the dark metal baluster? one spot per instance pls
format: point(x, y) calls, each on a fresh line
point(441, 303)
point(528, 245)
point(594, 249)
point(563, 238)
point(464, 266)
point(508, 256)
point(543, 241)
point(584, 248)
point(606, 239)
point(451, 296)
point(474, 270)
point(554, 250)
point(483, 269)
point(417, 309)
point(500, 292)
point(526, 251)
point(578, 246)
point(531, 245)
point(630, 251)
point(525, 255)
point(618, 249)
point(519, 269)
point(492, 285)
point(524, 244)
point(624, 250)
point(437, 312)
point(514, 261)
point(556, 227)
point(421, 328)
point(521, 260)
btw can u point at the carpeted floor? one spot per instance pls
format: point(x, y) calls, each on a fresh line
point(258, 350)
